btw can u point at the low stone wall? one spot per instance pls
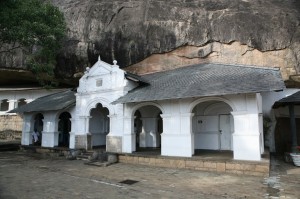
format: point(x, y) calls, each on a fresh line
point(253, 168)
point(10, 127)
point(11, 122)
point(9, 135)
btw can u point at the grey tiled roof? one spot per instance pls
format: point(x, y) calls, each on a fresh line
point(53, 102)
point(136, 78)
point(205, 80)
point(292, 99)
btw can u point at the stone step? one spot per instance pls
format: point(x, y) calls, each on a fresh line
point(86, 155)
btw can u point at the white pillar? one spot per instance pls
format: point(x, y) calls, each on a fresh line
point(246, 136)
point(177, 138)
point(82, 137)
point(72, 133)
point(129, 139)
point(114, 139)
point(27, 130)
point(11, 104)
point(49, 134)
point(88, 135)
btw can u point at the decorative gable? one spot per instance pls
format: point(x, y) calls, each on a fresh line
point(102, 77)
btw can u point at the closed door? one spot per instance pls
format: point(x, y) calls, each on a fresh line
point(225, 132)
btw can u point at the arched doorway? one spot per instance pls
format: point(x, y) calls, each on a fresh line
point(64, 128)
point(137, 127)
point(213, 126)
point(159, 127)
point(99, 126)
point(38, 126)
point(148, 128)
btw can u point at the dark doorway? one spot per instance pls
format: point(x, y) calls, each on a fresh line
point(137, 127)
point(99, 126)
point(38, 127)
point(64, 128)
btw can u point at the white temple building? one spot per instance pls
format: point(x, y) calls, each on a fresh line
point(204, 106)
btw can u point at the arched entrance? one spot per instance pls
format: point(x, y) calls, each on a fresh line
point(213, 126)
point(64, 129)
point(148, 128)
point(99, 126)
point(38, 126)
point(137, 127)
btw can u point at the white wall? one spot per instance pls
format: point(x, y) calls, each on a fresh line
point(178, 139)
point(101, 84)
point(13, 96)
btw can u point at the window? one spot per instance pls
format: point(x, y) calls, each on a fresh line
point(21, 102)
point(99, 82)
point(4, 105)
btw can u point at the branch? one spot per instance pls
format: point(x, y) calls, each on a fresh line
point(11, 49)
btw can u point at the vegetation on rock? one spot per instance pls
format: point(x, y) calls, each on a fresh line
point(37, 28)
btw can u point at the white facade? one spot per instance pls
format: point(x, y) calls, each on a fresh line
point(47, 124)
point(230, 122)
point(12, 98)
point(100, 86)
point(178, 127)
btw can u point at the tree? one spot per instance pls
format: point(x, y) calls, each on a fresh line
point(37, 28)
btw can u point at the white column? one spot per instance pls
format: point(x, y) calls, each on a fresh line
point(72, 133)
point(82, 138)
point(129, 139)
point(49, 134)
point(246, 136)
point(87, 133)
point(11, 104)
point(27, 130)
point(114, 140)
point(177, 138)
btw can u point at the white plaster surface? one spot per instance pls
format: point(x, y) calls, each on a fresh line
point(231, 122)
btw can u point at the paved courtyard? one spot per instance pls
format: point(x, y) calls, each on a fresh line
point(28, 175)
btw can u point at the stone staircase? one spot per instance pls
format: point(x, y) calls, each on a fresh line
point(85, 156)
point(97, 158)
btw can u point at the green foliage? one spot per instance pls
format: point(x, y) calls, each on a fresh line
point(37, 28)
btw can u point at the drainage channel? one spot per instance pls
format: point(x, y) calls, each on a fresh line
point(129, 182)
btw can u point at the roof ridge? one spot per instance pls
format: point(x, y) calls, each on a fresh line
point(205, 64)
point(53, 94)
point(249, 66)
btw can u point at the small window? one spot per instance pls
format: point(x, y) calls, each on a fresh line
point(4, 105)
point(21, 102)
point(99, 82)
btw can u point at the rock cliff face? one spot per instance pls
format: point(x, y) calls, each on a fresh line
point(152, 35)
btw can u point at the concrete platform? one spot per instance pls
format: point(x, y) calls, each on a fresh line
point(204, 160)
